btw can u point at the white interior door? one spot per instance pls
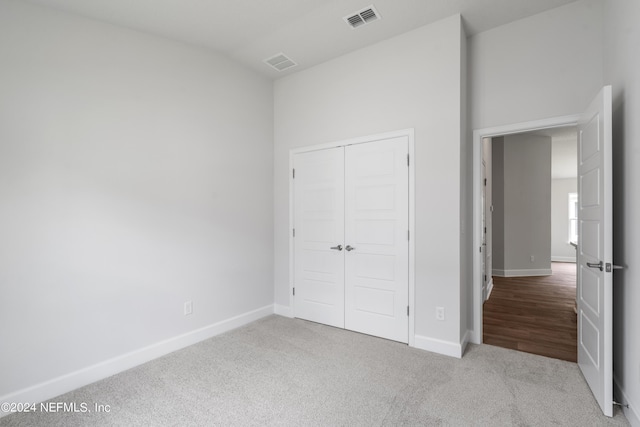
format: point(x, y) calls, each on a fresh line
point(376, 238)
point(319, 236)
point(595, 263)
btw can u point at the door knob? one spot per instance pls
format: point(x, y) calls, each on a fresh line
point(349, 248)
point(594, 265)
point(337, 248)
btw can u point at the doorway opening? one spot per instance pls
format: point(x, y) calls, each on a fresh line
point(490, 271)
point(529, 242)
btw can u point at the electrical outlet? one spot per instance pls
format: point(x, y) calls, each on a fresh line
point(533, 258)
point(439, 313)
point(188, 308)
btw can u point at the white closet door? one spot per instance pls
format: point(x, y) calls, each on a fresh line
point(376, 238)
point(319, 227)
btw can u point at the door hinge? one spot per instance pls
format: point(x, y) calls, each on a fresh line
point(485, 230)
point(407, 159)
point(408, 235)
point(407, 310)
point(294, 232)
point(294, 173)
point(294, 292)
point(485, 277)
point(485, 182)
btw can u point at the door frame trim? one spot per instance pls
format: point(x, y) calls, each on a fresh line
point(478, 135)
point(409, 133)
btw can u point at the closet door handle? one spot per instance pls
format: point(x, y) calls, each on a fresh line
point(337, 248)
point(349, 248)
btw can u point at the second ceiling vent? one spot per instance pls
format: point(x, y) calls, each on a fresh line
point(364, 16)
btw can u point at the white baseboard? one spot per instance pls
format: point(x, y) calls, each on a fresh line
point(489, 289)
point(283, 310)
point(73, 380)
point(522, 273)
point(434, 345)
point(464, 342)
point(474, 338)
point(563, 259)
point(632, 414)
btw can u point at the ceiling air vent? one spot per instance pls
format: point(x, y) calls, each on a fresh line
point(280, 62)
point(364, 16)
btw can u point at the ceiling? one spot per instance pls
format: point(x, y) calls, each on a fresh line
point(308, 31)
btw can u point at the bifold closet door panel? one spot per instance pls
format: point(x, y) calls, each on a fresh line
point(376, 238)
point(319, 236)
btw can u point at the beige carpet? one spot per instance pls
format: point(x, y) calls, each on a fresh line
point(279, 371)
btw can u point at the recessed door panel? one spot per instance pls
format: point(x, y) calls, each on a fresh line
point(590, 340)
point(373, 163)
point(590, 141)
point(590, 184)
point(319, 201)
point(589, 290)
point(375, 197)
point(375, 267)
point(375, 232)
point(590, 238)
point(374, 301)
point(320, 231)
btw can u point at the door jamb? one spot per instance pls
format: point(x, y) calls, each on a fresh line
point(409, 133)
point(478, 135)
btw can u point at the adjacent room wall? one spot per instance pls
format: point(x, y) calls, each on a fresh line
point(561, 250)
point(408, 81)
point(135, 175)
point(622, 70)
point(526, 204)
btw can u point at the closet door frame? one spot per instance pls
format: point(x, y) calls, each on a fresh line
point(409, 134)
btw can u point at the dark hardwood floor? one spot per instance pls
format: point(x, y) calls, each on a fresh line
point(534, 314)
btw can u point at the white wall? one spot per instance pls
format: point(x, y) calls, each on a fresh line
point(135, 174)
point(412, 80)
point(546, 65)
point(561, 250)
point(543, 66)
point(622, 70)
